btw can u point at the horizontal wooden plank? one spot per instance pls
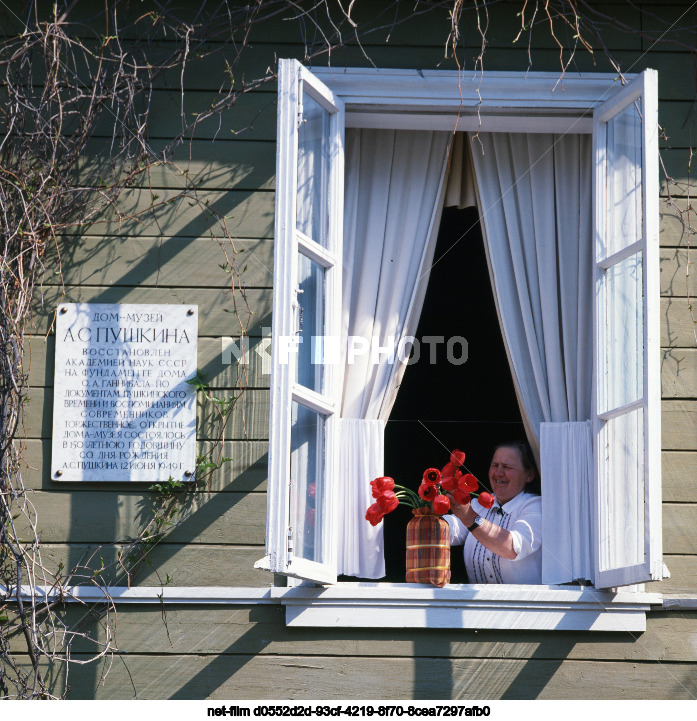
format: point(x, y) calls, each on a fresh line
point(677, 172)
point(81, 516)
point(679, 524)
point(670, 67)
point(381, 22)
point(252, 117)
point(678, 323)
point(246, 471)
point(678, 119)
point(223, 362)
point(506, 24)
point(221, 312)
point(201, 164)
point(186, 565)
point(299, 678)
point(249, 419)
point(233, 630)
point(679, 373)
point(679, 473)
point(159, 261)
point(667, 23)
point(233, 213)
point(683, 576)
point(679, 425)
point(678, 272)
point(677, 222)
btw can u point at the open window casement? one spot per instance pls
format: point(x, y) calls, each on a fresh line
point(303, 439)
point(627, 391)
point(306, 316)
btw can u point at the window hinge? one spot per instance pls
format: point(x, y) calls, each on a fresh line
point(290, 540)
point(299, 119)
point(295, 302)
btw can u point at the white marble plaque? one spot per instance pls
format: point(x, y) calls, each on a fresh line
point(122, 409)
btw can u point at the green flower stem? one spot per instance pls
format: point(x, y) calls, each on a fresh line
point(408, 497)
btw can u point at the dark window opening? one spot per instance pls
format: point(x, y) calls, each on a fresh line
point(443, 406)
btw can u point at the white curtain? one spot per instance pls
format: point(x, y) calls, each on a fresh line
point(566, 451)
point(534, 194)
point(393, 202)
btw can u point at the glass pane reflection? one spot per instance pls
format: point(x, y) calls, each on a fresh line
point(306, 488)
point(622, 541)
point(624, 347)
point(312, 217)
point(624, 192)
point(310, 324)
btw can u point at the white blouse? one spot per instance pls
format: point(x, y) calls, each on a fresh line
point(522, 517)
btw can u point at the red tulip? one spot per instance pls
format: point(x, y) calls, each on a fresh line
point(457, 458)
point(311, 489)
point(388, 501)
point(468, 483)
point(441, 504)
point(374, 514)
point(450, 482)
point(431, 476)
point(384, 483)
point(310, 516)
point(461, 496)
point(427, 492)
point(449, 469)
point(486, 499)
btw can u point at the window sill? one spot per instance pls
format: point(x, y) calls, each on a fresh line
point(405, 605)
point(385, 605)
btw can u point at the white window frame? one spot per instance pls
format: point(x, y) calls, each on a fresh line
point(445, 100)
point(642, 89)
point(295, 81)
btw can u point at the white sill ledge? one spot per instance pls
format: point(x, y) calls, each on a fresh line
point(510, 607)
point(402, 605)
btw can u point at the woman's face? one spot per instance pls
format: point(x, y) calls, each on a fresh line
point(507, 476)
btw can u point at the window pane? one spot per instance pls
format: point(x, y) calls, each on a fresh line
point(624, 347)
point(306, 488)
point(622, 491)
point(310, 324)
point(624, 195)
point(313, 171)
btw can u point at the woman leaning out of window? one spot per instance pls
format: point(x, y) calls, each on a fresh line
point(502, 544)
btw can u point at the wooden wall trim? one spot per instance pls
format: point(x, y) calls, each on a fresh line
point(406, 606)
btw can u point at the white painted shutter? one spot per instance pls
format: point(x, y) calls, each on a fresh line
point(627, 390)
point(305, 382)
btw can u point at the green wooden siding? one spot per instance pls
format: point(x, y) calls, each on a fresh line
point(169, 257)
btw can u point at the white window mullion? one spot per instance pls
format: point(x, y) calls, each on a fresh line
point(315, 252)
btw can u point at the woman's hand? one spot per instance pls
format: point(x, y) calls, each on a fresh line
point(463, 511)
point(490, 535)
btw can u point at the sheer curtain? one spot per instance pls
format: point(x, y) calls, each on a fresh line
point(534, 194)
point(393, 203)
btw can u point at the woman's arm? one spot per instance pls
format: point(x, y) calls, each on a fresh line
point(496, 539)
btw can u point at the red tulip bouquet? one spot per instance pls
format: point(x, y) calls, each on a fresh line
point(463, 486)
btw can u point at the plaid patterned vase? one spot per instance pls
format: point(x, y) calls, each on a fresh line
point(428, 548)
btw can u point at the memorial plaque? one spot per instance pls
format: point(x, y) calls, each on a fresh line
point(122, 409)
